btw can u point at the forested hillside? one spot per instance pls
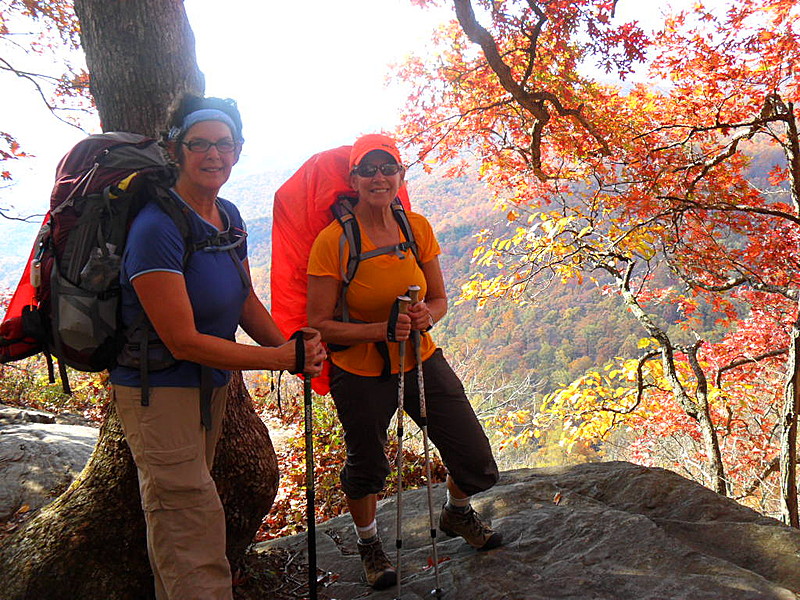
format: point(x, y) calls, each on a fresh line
point(563, 331)
point(566, 328)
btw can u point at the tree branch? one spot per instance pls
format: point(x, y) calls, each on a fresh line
point(533, 102)
point(747, 361)
point(33, 78)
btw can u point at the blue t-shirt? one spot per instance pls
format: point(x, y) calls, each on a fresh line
point(214, 281)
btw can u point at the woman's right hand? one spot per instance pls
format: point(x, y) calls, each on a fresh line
point(402, 328)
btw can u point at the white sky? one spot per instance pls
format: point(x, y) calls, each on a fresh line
point(307, 75)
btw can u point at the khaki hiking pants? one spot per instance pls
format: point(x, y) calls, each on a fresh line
point(183, 512)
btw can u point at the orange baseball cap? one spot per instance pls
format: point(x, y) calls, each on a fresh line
point(373, 141)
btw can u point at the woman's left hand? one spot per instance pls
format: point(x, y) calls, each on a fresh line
point(420, 315)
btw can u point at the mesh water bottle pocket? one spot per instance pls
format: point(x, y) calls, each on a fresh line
point(84, 325)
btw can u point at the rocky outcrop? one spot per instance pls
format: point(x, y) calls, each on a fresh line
point(604, 531)
point(40, 455)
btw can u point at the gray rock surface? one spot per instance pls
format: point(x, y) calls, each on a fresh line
point(40, 455)
point(603, 531)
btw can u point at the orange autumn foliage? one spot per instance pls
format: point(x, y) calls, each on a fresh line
point(611, 182)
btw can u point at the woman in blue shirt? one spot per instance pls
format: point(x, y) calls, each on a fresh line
point(195, 298)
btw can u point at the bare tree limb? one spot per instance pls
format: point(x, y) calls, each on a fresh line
point(34, 78)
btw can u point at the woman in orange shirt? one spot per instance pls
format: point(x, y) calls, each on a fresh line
point(365, 400)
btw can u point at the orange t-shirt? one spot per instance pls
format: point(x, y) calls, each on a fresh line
point(378, 282)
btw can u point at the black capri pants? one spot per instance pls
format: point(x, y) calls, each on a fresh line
point(365, 406)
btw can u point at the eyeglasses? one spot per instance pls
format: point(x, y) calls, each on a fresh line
point(387, 169)
point(201, 145)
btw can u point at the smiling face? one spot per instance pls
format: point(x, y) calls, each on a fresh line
point(378, 190)
point(207, 170)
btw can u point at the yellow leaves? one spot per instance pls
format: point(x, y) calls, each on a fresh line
point(594, 405)
point(502, 245)
point(557, 226)
point(522, 416)
point(644, 343)
point(513, 428)
point(550, 242)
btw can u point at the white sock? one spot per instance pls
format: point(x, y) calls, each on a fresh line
point(367, 534)
point(457, 504)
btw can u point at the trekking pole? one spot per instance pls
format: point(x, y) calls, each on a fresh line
point(413, 293)
point(403, 302)
point(311, 529)
point(310, 492)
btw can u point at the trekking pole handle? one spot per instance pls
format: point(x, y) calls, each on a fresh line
point(399, 307)
point(413, 293)
point(403, 302)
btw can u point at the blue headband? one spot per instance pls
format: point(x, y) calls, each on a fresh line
point(204, 114)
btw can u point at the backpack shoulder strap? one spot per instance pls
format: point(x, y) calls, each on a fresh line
point(181, 216)
point(405, 226)
point(399, 214)
point(179, 213)
point(343, 212)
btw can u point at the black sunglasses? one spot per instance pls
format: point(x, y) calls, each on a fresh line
point(367, 171)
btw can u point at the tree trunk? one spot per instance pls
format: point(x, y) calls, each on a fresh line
point(89, 544)
point(245, 470)
point(695, 409)
point(715, 466)
point(141, 57)
point(791, 396)
point(788, 444)
point(90, 541)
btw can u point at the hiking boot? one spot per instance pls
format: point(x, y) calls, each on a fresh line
point(379, 571)
point(470, 527)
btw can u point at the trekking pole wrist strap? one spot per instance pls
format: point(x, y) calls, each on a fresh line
point(299, 352)
point(391, 324)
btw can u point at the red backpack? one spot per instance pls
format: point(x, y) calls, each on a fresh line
point(317, 193)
